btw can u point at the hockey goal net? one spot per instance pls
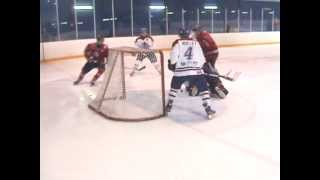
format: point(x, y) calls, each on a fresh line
point(127, 97)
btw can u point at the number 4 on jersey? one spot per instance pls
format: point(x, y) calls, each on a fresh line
point(188, 53)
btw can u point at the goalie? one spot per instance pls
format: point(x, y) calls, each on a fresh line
point(145, 42)
point(210, 51)
point(186, 61)
point(96, 55)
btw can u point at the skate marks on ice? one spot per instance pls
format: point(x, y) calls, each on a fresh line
point(63, 107)
point(232, 112)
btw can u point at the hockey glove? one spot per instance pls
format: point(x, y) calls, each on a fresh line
point(171, 67)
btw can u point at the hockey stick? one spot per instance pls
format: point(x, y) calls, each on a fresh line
point(227, 76)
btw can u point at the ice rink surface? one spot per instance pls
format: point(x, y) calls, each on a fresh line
point(241, 143)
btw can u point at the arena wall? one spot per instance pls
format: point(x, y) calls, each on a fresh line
point(74, 48)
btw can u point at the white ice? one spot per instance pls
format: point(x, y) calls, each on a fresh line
point(241, 143)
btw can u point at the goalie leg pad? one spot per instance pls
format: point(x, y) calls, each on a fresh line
point(152, 57)
point(218, 89)
point(198, 85)
point(213, 81)
point(141, 56)
point(193, 90)
point(200, 82)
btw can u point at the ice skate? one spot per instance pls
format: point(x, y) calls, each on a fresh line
point(132, 73)
point(210, 112)
point(168, 108)
point(92, 83)
point(220, 92)
point(76, 82)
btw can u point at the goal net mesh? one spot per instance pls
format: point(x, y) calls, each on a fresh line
point(131, 98)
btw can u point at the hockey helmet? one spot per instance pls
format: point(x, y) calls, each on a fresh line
point(183, 33)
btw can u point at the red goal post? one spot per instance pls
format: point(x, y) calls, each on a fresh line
point(131, 98)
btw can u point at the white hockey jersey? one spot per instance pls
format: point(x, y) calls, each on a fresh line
point(188, 57)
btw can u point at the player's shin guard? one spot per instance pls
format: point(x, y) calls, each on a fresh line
point(205, 103)
point(205, 98)
point(96, 77)
point(172, 95)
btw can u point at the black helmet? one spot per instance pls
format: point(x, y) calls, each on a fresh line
point(183, 33)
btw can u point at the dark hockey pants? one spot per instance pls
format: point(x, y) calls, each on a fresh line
point(88, 67)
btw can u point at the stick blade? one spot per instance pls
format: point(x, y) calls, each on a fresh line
point(228, 73)
point(236, 76)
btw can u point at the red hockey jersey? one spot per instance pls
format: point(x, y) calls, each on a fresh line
point(207, 44)
point(94, 52)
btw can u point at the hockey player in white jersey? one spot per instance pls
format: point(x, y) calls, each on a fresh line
point(186, 61)
point(145, 41)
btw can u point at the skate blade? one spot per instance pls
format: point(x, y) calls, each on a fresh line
point(142, 68)
point(211, 116)
point(221, 94)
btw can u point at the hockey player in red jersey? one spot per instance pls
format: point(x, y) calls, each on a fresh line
point(96, 55)
point(211, 53)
